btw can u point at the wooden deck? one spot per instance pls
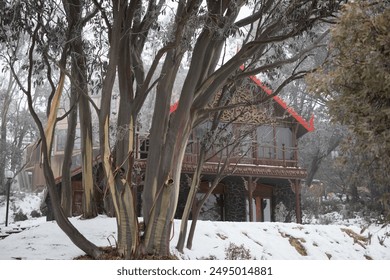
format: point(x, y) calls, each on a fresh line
point(260, 161)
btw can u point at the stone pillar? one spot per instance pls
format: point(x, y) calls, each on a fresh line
point(235, 201)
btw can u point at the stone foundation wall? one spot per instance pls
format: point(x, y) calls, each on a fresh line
point(235, 201)
point(284, 205)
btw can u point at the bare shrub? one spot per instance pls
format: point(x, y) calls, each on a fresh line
point(235, 252)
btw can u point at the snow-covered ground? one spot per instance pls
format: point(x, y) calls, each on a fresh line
point(344, 240)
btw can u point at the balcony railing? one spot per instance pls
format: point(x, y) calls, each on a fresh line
point(251, 155)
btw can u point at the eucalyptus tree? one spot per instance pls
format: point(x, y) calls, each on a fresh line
point(41, 25)
point(78, 14)
point(15, 124)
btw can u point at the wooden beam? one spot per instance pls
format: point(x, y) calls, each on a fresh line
point(250, 198)
point(259, 209)
point(296, 186)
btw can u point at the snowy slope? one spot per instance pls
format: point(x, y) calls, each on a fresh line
point(268, 241)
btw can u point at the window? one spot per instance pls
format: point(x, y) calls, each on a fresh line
point(284, 137)
point(265, 141)
point(244, 135)
point(61, 140)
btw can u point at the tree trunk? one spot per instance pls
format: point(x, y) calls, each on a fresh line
point(169, 136)
point(46, 137)
point(66, 183)
point(73, 10)
point(3, 146)
point(191, 233)
point(117, 178)
point(190, 201)
point(3, 133)
point(128, 228)
point(162, 176)
point(89, 205)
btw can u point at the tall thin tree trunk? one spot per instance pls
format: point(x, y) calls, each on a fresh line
point(66, 183)
point(3, 131)
point(3, 147)
point(117, 180)
point(73, 10)
point(89, 196)
point(47, 137)
point(162, 178)
point(190, 201)
point(89, 205)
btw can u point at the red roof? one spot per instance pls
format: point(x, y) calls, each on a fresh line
point(309, 126)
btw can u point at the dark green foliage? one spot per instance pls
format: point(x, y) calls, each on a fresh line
point(20, 216)
point(355, 82)
point(356, 78)
point(35, 214)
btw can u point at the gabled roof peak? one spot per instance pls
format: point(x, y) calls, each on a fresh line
point(307, 125)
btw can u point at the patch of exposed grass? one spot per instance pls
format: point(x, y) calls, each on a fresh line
point(222, 236)
point(296, 243)
point(257, 242)
point(357, 238)
point(368, 257)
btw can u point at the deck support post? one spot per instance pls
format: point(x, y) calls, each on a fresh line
point(296, 187)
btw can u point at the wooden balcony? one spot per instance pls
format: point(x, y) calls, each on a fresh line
point(257, 161)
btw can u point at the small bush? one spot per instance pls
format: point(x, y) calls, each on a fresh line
point(20, 216)
point(210, 257)
point(35, 214)
point(235, 252)
point(44, 211)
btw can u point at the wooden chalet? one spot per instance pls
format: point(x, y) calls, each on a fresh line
point(262, 177)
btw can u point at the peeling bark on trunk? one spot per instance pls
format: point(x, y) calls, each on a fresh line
point(158, 199)
point(89, 205)
point(89, 202)
point(117, 178)
point(47, 135)
point(73, 10)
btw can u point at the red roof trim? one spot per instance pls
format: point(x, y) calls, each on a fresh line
point(309, 126)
